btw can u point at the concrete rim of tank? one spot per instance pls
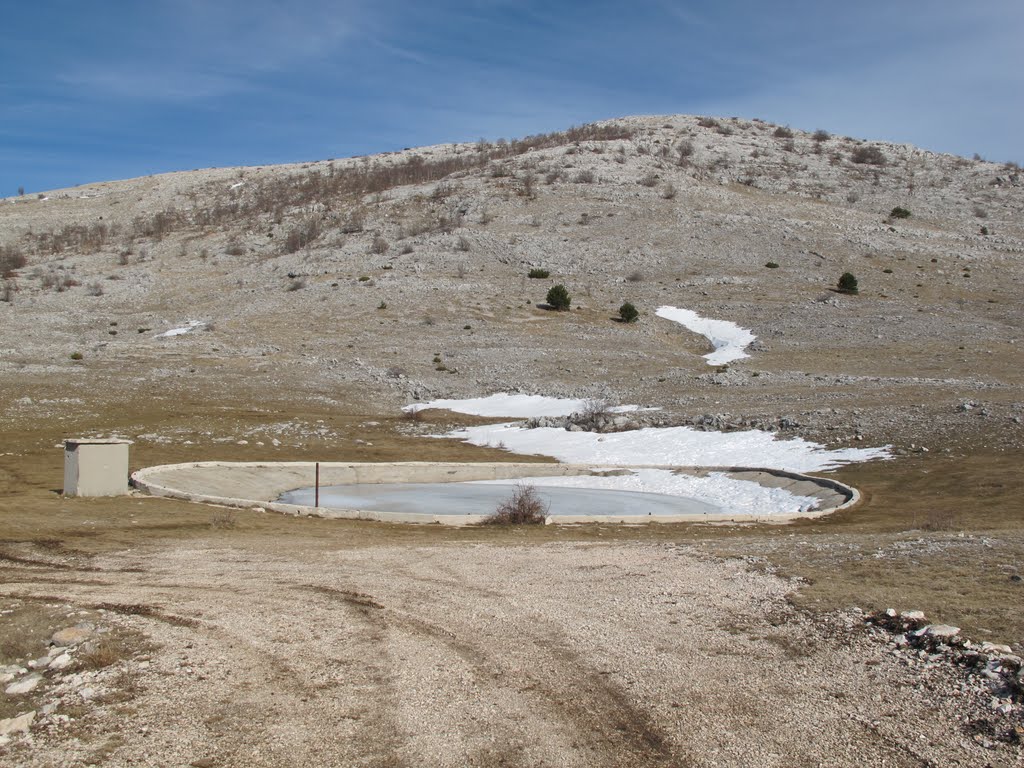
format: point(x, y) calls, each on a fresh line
point(255, 484)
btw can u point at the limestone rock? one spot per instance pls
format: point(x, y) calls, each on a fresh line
point(938, 631)
point(61, 662)
point(25, 685)
point(72, 635)
point(19, 724)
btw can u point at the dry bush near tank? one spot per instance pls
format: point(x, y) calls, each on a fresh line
point(523, 507)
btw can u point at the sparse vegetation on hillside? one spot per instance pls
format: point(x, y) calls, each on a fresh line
point(899, 213)
point(848, 283)
point(538, 274)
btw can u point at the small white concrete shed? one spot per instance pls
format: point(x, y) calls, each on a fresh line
point(96, 467)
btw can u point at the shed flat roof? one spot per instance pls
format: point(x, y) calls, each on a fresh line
point(97, 441)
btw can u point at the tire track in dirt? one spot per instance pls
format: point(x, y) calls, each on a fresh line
point(243, 721)
point(570, 691)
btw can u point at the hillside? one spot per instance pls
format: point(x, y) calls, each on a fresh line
point(350, 276)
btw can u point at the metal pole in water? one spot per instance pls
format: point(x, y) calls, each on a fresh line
point(316, 499)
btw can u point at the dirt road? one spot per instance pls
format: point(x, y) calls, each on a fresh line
point(274, 651)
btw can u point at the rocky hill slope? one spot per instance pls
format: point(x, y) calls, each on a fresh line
point(368, 282)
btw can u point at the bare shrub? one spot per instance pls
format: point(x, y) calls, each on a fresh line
point(105, 653)
point(527, 185)
point(354, 222)
point(648, 179)
point(235, 248)
point(783, 132)
point(868, 155)
point(584, 177)
point(462, 244)
point(448, 223)
point(11, 259)
point(821, 136)
point(415, 227)
point(379, 245)
point(523, 507)
point(7, 291)
point(95, 289)
point(302, 234)
point(938, 520)
point(297, 284)
point(635, 276)
point(443, 190)
point(980, 212)
point(707, 122)
point(668, 192)
point(685, 151)
point(223, 518)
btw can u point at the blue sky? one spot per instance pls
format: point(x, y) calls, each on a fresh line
point(114, 89)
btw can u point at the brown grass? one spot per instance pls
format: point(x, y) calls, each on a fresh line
point(104, 653)
point(961, 580)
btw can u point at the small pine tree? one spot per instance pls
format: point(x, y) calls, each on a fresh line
point(628, 313)
point(899, 213)
point(847, 283)
point(558, 298)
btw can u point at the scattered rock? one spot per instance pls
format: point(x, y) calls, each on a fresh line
point(939, 631)
point(19, 724)
point(61, 662)
point(25, 685)
point(72, 635)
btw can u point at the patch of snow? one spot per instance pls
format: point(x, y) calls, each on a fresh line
point(728, 339)
point(514, 406)
point(192, 325)
point(671, 446)
point(739, 496)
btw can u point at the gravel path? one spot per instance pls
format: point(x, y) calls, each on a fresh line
point(559, 654)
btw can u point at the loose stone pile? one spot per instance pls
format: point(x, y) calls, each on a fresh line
point(992, 667)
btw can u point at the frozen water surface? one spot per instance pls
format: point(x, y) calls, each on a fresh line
point(483, 498)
